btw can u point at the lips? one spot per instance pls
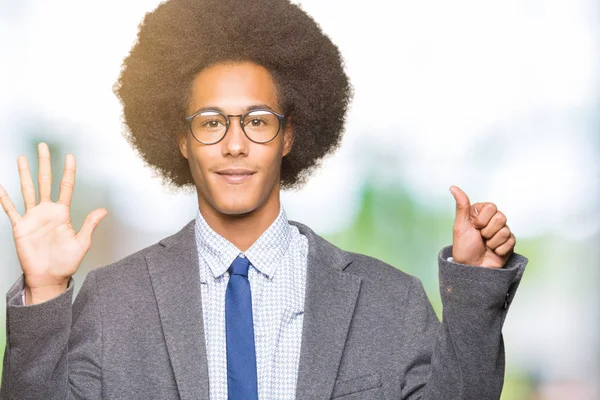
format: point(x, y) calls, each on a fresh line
point(235, 171)
point(235, 175)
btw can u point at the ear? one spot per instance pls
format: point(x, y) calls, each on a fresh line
point(288, 138)
point(183, 145)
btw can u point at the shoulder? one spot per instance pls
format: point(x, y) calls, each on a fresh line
point(135, 264)
point(370, 269)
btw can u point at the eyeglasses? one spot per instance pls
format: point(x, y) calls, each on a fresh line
point(211, 126)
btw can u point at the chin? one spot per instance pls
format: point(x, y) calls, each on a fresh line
point(236, 208)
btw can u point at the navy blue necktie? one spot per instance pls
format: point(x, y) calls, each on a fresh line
point(242, 382)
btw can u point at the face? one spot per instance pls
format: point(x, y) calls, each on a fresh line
point(234, 89)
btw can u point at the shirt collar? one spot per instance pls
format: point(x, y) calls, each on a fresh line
point(264, 254)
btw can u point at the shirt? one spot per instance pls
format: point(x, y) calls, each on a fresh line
point(277, 276)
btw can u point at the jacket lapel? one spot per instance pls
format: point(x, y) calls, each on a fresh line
point(328, 308)
point(174, 274)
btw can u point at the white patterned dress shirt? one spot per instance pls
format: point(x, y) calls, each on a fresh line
point(277, 277)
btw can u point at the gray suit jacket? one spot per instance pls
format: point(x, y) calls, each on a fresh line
point(135, 330)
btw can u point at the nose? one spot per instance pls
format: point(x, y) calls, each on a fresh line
point(235, 141)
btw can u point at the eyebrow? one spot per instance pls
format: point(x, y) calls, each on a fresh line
point(245, 110)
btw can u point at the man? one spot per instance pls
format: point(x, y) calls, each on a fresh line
point(241, 100)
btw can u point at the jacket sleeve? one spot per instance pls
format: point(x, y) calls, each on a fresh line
point(463, 356)
point(53, 349)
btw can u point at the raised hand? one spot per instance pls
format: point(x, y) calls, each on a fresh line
point(49, 249)
point(481, 236)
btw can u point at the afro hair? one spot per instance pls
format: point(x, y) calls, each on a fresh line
point(182, 37)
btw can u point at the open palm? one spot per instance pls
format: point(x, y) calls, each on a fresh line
point(49, 249)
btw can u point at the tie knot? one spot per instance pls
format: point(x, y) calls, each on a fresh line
point(239, 266)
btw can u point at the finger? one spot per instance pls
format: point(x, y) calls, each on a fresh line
point(89, 225)
point(497, 222)
point(27, 187)
point(67, 184)
point(507, 247)
point(463, 205)
point(44, 173)
point(486, 213)
point(499, 238)
point(475, 209)
point(9, 207)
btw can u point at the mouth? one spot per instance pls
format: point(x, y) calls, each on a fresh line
point(235, 176)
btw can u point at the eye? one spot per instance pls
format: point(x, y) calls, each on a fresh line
point(214, 123)
point(210, 120)
point(260, 120)
point(256, 122)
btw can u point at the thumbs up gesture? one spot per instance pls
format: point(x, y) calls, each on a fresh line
point(480, 236)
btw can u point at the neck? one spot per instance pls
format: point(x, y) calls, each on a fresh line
point(242, 229)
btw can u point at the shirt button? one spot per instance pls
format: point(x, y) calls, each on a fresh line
point(506, 300)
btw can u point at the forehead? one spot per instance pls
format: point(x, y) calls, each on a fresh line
point(233, 87)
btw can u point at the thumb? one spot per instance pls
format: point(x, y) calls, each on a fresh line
point(463, 205)
point(89, 225)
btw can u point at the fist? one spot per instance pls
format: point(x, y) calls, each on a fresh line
point(480, 235)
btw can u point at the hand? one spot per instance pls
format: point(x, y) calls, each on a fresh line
point(49, 249)
point(481, 236)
